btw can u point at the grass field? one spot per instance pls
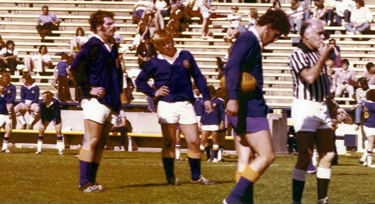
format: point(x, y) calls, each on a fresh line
point(138, 177)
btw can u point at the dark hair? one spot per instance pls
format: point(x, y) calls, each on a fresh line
point(363, 82)
point(8, 43)
point(64, 56)
point(212, 90)
point(276, 2)
point(97, 18)
point(80, 29)
point(304, 26)
point(48, 93)
point(277, 19)
point(345, 61)
point(40, 48)
point(44, 7)
point(370, 95)
point(360, 2)
point(26, 76)
point(369, 66)
point(332, 39)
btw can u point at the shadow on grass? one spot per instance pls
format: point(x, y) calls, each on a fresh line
point(351, 174)
point(165, 184)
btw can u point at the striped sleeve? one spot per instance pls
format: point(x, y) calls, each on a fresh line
point(298, 61)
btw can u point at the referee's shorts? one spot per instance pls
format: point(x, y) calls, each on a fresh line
point(308, 116)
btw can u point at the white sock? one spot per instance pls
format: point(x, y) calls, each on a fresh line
point(21, 119)
point(32, 118)
point(40, 143)
point(314, 158)
point(323, 173)
point(364, 156)
point(5, 145)
point(178, 151)
point(369, 158)
point(60, 146)
point(220, 154)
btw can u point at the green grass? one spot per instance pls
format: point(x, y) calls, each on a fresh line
point(138, 177)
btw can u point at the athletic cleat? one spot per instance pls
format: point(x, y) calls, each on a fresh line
point(364, 164)
point(225, 201)
point(122, 149)
point(61, 153)
point(323, 201)
point(87, 188)
point(179, 159)
point(7, 151)
point(215, 160)
point(38, 152)
point(371, 166)
point(173, 182)
point(361, 161)
point(209, 160)
point(203, 181)
point(98, 187)
point(221, 160)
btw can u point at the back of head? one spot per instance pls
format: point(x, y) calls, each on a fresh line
point(370, 95)
point(369, 66)
point(277, 19)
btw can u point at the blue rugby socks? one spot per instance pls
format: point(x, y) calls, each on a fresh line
point(168, 164)
point(299, 178)
point(243, 190)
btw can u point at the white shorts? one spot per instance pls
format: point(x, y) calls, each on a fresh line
point(369, 131)
point(4, 119)
point(181, 112)
point(95, 111)
point(210, 127)
point(308, 116)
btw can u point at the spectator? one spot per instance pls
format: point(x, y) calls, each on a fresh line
point(360, 19)
point(139, 8)
point(369, 75)
point(142, 30)
point(306, 5)
point(320, 12)
point(2, 44)
point(154, 20)
point(29, 102)
point(78, 41)
point(39, 61)
point(177, 22)
point(360, 96)
point(162, 7)
point(145, 51)
point(8, 57)
point(192, 9)
point(330, 6)
point(47, 22)
point(295, 15)
point(343, 11)
point(334, 54)
point(276, 5)
point(120, 126)
point(234, 21)
point(343, 80)
point(206, 10)
point(253, 17)
point(62, 79)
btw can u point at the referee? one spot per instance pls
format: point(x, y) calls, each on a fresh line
point(312, 124)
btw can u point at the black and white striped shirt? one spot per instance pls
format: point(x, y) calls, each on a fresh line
point(301, 58)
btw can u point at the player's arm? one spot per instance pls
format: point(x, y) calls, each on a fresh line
point(22, 94)
point(12, 97)
point(41, 110)
point(80, 69)
point(222, 116)
point(36, 98)
point(142, 79)
point(310, 74)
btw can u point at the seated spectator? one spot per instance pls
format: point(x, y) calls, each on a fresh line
point(295, 15)
point(62, 79)
point(145, 51)
point(334, 54)
point(276, 4)
point(139, 8)
point(142, 30)
point(360, 19)
point(234, 21)
point(47, 22)
point(253, 17)
point(306, 5)
point(206, 11)
point(343, 11)
point(330, 6)
point(153, 19)
point(162, 7)
point(8, 57)
point(192, 9)
point(369, 75)
point(320, 12)
point(39, 61)
point(78, 41)
point(177, 22)
point(29, 102)
point(343, 80)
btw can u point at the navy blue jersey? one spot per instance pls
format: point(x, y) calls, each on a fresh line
point(176, 76)
point(51, 112)
point(10, 93)
point(3, 105)
point(216, 116)
point(30, 93)
point(199, 106)
point(246, 56)
point(369, 114)
point(95, 66)
point(61, 68)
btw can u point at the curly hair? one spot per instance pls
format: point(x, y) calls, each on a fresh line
point(40, 48)
point(97, 18)
point(80, 29)
point(277, 19)
point(363, 83)
point(370, 95)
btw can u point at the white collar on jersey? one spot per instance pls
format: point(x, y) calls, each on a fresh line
point(170, 59)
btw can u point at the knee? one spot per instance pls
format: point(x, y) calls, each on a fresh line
point(168, 143)
point(41, 129)
point(326, 159)
point(268, 158)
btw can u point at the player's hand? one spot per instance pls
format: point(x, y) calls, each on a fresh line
point(208, 106)
point(98, 92)
point(232, 108)
point(222, 125)
point(162, 91)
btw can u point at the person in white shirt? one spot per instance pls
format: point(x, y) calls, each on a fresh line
point(295, 15)
point(162, 6)
point(360, 19)
point(8, 57)
point(39, 61)
point(78, 41)
point(234, 20)
point(343, 11)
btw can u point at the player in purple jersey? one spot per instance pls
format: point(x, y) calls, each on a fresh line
point(369, 125)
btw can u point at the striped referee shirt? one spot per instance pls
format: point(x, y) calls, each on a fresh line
point(301, 58)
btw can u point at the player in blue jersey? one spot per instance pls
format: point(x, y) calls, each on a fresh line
point(5, 121)
point(97, 70)
point(369, 125)
point(211, 124)
point(247, 114)
point(50, 111)
point(172, 70)
point(29, 102)
point(10, 93)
